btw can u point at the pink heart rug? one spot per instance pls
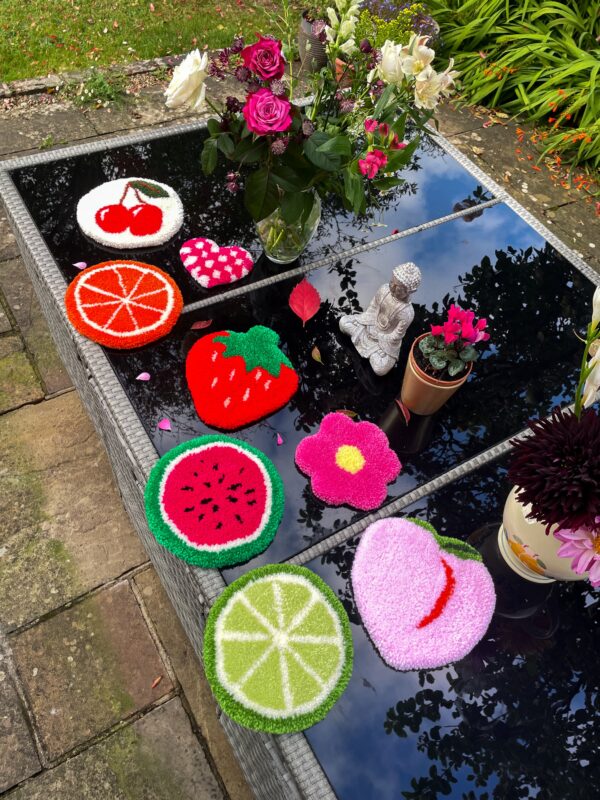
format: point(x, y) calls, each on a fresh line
point(212, 265)
point(424, 599)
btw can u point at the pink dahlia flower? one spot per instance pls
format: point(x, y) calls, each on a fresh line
point(583, 546)
point(349, 463)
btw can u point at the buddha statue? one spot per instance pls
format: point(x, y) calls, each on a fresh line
point(378, 332)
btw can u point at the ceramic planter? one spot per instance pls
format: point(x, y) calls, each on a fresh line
point(528, 550)
point(312, 51)
point(422, 393)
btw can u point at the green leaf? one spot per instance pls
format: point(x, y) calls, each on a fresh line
point(261, 196)
point(292, 206)
point(208, 159)
point(225, 144)
point(214, 126)
point(330, 162)
point(354, 190)
point(288, 179)
point(338, 145)
point(249, 152)
point(437, 361)
point(427, 345)
point(148, 188)
point(383, 101)
point(469, 353)
point(456, 366)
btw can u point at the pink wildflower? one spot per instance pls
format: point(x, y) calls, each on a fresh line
point(370, 125)
point(372, 163)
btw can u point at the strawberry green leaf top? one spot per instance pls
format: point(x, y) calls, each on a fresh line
point(448, 543)
point(258, 347)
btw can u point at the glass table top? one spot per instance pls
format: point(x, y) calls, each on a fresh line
point(517, 718)
point(472, 730)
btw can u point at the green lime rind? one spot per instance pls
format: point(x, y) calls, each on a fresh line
point(451, 545)
point(220, 558)
point(258, 347)
point(239, 712)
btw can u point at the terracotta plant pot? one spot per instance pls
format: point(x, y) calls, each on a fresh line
point(343, 73)
point(423, 394)
point(312, 52)
point(528, 549)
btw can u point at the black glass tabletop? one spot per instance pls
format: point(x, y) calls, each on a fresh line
point(517, 718)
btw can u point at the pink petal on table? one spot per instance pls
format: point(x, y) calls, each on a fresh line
point(279, 439)
point(164, 424)
point(200, 324)
point(143, 376)
point(395, 231)
point(80, 265)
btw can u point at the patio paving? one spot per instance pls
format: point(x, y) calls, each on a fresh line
point(86, 630)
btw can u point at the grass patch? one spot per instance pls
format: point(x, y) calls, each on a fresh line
point(43, 36)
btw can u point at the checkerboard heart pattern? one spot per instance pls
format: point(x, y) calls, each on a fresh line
point(212, 265)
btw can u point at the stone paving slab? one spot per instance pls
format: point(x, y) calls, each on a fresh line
point(63, 528)
point(156, 758)
point(88, 667)
point(18, 382)
point(5, 325)
point(190, 675)
point(50, 126)
point(18, 756)
point(22, 302)
point(8, 243)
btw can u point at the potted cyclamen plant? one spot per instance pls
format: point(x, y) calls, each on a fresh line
point(551, 522)
point(287, 155)
point(441, 361)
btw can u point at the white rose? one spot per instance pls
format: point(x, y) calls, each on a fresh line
point(389, 68)
point(428, 88)
point(187, 84)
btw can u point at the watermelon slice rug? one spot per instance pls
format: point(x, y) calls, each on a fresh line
point(130, 213)
point(214, 501)
point(278, 649)
point(123, 304)
point(212, 265)
point(425, 600)
point(238, 378)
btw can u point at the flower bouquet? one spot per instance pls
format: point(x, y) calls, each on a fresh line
point(556, 472)
point(441, 361)
point(288, 153)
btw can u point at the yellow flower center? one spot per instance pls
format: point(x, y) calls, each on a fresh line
point(349, 458)
point(597, 545)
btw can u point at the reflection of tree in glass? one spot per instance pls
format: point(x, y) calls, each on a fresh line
point(524, 720)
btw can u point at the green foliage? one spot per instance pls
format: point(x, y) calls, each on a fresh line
point(398, 29)
point(100, 89)
point(538, 57)
point(442, 356)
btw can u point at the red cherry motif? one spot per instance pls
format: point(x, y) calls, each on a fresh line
point(113, 218)
point(145, 219)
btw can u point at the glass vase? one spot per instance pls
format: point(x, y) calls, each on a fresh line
point(283, 241)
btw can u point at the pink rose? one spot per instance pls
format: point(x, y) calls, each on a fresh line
point(372, 163)
point(370, 125)
point(266, 113)
point(264, 58)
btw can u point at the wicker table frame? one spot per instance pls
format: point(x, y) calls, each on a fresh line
point(277, 768)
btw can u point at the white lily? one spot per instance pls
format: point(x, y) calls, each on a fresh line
point(592, 384)
point(187, 84)
point(447, 78)
point(428, 89)
point(596, 308)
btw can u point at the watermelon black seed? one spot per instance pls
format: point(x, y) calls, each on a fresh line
point(251, 503)
point(187, 488)
point(219, 525)
point(216, 467)
point(249, 491)
point(207, 484)
point(215, 508)
point(200, 517)
point(234, 486)
point(195, 474)
point(222, 478)
point(191, 508)
point(239, 519)
point(232, 499)
point(206, 500)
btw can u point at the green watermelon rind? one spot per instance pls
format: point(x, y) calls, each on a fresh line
point(248, 717)
point(228, 556)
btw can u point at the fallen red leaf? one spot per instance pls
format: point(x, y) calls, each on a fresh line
point(201, 323)
point(156, 681)
point(405, 411)
point(347, 412)
point(304, 301)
